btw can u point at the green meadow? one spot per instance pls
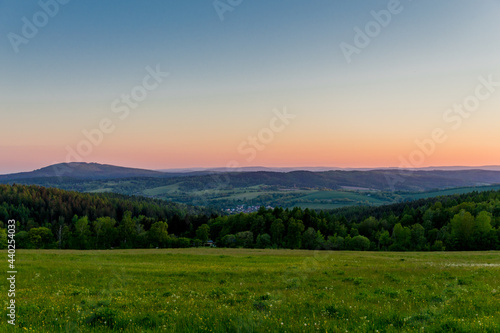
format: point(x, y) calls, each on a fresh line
point(250, 290)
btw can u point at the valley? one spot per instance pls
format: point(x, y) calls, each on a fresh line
point(228, 190)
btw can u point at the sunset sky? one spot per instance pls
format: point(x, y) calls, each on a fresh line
point(231, 80)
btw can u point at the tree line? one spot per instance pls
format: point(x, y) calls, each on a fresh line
point(54, 218)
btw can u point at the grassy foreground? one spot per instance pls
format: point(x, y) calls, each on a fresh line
point(242, 290)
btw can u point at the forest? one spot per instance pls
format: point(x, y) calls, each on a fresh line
point(52, 218)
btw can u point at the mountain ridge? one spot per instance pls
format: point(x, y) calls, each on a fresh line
point(322, 169)
point(380, 179)
point(95, 170)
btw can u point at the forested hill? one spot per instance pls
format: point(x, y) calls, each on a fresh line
point(59, 210)
point(52, 218)
point(89, 171)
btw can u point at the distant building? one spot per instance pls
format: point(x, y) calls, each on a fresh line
point(209, 243)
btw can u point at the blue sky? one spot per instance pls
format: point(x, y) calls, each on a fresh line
point(227, 76)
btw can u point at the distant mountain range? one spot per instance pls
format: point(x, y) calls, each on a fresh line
point(378, 179)
point(321, 169)
point(259, 186)
point(253, 169)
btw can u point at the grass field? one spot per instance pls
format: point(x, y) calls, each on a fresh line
point(242, 290)
point(458, 190)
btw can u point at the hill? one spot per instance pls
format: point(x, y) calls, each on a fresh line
point(379, 179)
point(36, 206)
point(82, 171)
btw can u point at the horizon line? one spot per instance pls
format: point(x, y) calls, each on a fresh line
point(292, 168)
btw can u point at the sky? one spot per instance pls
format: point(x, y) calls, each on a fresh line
point(176, 84)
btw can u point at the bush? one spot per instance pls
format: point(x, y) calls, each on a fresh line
point(360, 243)
point(438, 246)
point(263, 241)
